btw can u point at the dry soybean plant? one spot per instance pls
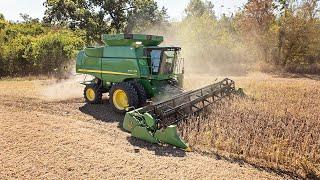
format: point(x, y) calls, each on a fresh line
point(277, 126)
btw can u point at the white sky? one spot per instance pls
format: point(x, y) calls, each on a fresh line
point(12, 8)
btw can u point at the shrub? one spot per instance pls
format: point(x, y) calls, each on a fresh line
point(15, 56)
point(55, 49)
point(29, 48)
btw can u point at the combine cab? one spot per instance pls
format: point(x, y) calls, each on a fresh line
point(134, 70)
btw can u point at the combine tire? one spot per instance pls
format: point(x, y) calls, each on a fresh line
point(93, 93)
point(142, 95)
point(122, 96)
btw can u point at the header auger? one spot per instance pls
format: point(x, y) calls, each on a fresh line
point(133, 68)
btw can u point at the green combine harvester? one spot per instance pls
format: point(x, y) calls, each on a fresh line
point(134, 70)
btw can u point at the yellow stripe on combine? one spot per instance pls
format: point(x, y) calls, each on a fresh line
point(105, 72)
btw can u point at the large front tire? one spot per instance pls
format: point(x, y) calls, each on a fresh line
point(123, 96)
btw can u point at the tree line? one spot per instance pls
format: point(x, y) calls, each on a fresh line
point(267, 35)
point(287, 33)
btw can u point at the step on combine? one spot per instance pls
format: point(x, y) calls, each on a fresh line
point(144, 80)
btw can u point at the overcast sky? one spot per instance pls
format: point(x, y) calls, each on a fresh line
point(12, 8)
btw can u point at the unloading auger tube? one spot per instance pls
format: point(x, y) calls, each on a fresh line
point(157, 123)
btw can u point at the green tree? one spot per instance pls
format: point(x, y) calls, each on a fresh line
point(54, 50)
point(145, 14)
point(15, 56)
point(97, 17)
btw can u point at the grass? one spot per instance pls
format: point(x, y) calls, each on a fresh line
point(277, 126)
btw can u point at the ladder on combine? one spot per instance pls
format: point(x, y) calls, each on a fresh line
point(159, 121)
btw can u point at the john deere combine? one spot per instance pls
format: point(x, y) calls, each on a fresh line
point(134, 69)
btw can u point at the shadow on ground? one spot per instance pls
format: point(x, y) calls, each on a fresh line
point(159, 150)
point(104, 112)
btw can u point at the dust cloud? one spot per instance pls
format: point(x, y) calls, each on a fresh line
point(64, 89)
point(208, 48)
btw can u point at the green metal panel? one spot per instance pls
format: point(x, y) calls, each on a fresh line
point(170, 136)
point(143, 63)
point(119, 52)
point(143, 133)
point(130, 39)
point(150, 121)
point(79, 60)
point(130, 121)
point(88, 65)
point(94, 51)
point(144, 67)
point(153, 86)
point(119, 63)
point(148, 87)
point(118, 70)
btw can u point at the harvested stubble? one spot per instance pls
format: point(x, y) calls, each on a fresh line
point(277, 126)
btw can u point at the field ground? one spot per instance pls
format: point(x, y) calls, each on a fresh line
point(47, 131)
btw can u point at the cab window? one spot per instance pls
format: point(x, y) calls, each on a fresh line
point(155, 61)
point(167, 62)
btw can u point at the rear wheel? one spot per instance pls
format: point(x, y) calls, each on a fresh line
point(123, 96)
point(92, 93)
point(142, 95)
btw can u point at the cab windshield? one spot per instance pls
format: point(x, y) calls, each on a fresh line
point(162, 60)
